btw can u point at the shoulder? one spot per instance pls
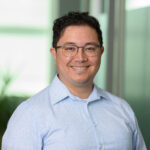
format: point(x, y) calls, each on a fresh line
point(113, 98)
point(119, 105)
point(30, 120)
point(33, 111)
point(118, 101)
point(28, 123)
point(39, 100)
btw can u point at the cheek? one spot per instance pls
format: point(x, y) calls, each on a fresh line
point(62, 62)
point(95, 62)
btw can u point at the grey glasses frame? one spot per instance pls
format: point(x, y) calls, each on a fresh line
point(83, 47)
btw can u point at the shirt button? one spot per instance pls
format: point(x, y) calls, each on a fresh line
point(100, 146)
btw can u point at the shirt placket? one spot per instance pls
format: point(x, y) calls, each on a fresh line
point(98, 138)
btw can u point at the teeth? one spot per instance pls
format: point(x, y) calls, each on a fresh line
point(80, 68)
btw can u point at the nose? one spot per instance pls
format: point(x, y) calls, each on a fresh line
point(80, 55)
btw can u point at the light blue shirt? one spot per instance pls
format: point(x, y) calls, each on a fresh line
point(54, 119)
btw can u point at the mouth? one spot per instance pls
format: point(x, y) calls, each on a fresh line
point(79, 68)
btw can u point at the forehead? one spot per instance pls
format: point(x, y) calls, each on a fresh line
point(76, 33)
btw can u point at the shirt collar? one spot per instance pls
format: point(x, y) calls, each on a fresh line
point(59, 92)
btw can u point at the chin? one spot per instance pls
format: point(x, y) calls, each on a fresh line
point(81, 82)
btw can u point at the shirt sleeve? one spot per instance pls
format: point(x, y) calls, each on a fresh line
point(138, 141)
point(137, 138)
point(22, 132)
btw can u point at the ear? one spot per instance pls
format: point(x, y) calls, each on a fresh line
point(53, 52)
point(102, 50)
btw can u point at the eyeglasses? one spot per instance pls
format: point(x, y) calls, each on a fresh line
point(71, 50)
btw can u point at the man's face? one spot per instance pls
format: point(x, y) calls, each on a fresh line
point(78, 70)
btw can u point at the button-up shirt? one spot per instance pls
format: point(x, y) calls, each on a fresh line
point(55, 119)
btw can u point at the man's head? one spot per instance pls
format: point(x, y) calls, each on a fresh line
point(75, 18)
point(77, 49)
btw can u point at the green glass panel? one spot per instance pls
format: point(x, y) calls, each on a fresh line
point(137, 62)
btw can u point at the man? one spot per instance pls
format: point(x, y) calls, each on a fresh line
point(73, 113)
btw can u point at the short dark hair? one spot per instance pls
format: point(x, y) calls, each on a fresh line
point(75, 18)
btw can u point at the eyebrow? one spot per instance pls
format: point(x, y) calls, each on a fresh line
point(91, 43)
point(72, 43)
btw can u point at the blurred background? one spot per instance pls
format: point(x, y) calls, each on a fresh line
point(26, 65)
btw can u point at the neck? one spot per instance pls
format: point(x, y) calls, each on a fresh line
point(80, 90)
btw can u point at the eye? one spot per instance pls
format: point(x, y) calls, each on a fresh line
point(69, 48)
point(90, 48)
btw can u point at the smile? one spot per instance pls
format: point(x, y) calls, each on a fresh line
point(79, 68)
